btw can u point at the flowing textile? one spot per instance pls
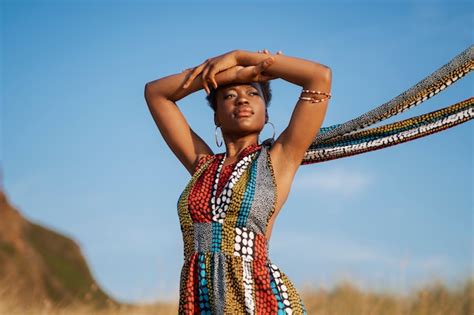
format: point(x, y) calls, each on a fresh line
point(351, 138)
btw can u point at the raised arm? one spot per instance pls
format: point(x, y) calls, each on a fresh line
point(307, 118)
point(161, 96)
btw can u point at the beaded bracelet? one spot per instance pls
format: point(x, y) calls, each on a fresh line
point(315, 92)
point(312, 99)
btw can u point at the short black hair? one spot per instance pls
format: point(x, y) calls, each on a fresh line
point(264, 86)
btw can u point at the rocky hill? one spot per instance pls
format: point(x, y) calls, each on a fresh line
point(38, 265)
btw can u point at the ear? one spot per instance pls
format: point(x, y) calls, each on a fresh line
point(215, 120)
point(266, 116)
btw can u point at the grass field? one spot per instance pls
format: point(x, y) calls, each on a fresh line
point(345, 298)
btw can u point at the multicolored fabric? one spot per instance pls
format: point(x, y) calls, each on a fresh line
point(227, 269)
point(352, 137)
point(391, 134)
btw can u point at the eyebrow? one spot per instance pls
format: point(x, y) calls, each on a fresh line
point(248, 88)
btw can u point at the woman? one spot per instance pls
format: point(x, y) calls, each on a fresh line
point(228, 208)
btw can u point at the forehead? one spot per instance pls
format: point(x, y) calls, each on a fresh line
point(239, 86)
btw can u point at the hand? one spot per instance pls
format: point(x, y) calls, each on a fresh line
point(254, 73)
point(210, 68)
point(267, 52)
point(251, 73)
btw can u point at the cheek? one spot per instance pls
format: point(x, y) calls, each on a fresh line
point(261, 111)
point(224, 111)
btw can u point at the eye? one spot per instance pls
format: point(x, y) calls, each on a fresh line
point(253, 92)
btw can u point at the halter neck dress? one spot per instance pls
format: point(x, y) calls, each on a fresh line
point(224, 212)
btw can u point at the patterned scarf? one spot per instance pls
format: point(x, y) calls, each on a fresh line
point(351, 137)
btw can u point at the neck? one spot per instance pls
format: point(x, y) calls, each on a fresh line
point(235, 147)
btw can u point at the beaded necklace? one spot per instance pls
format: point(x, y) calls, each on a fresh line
point(220, 204)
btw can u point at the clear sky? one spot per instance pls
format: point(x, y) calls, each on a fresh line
point(80, 152)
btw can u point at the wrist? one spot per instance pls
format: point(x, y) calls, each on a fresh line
point(238, 56)
point(244, 58)
point(247, 58)
point(227, 76)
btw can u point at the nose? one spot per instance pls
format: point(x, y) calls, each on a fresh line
point(242, 100)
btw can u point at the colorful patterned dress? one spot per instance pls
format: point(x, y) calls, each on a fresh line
point(226, 267)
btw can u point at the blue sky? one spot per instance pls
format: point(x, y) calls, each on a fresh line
point(80, 152)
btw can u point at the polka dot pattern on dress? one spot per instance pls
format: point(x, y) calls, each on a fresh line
point(223, 213)
point(244, 240)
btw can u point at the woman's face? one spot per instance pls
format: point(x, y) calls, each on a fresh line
point(240, 109)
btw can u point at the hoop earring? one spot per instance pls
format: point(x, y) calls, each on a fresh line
point(273, 136)
point(215, 135)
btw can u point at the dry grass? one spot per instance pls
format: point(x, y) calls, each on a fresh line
point(154, 309)
point(432, 299)
point(345, 298)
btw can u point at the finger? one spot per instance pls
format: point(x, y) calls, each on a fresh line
point(206, 89)
point(187, 76)
point(204, 84)
point(212, 77)
point(262, 67)
point(195, 72)
point(266, 78)
point(205, 72)
point(209, 84)
point(190, 77)
point(256, 73)
point(266, 63)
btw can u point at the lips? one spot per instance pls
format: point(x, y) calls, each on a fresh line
point(243, 112)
